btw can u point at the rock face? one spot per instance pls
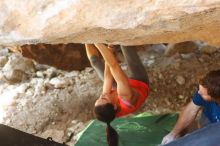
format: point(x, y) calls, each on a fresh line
point(63, 56)
point(127, 22)
point(183, 47)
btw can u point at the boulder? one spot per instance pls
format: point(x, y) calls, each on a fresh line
point(62, 56)
point(208, 49)
point(130, 22)
point(17, 62)
point(181, 48)
point(17, 69)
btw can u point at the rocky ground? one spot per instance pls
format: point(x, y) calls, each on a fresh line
point(44, 101)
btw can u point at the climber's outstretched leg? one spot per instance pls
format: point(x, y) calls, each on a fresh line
point(135, 66)
point(95, 60)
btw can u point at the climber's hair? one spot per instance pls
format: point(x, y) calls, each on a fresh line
point(212, 82)
point(106, 113)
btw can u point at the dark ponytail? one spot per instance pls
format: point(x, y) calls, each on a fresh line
point(112, 135)
point(106, 113)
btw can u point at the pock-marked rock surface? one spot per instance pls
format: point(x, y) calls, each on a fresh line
point(127, 22)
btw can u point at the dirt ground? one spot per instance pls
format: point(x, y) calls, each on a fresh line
point(173, 81)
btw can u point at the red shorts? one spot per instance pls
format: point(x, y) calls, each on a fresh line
point(143, 91)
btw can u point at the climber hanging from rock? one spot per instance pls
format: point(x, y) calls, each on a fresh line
point(120, 95)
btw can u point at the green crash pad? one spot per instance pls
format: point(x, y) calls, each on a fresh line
point(141, 130)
